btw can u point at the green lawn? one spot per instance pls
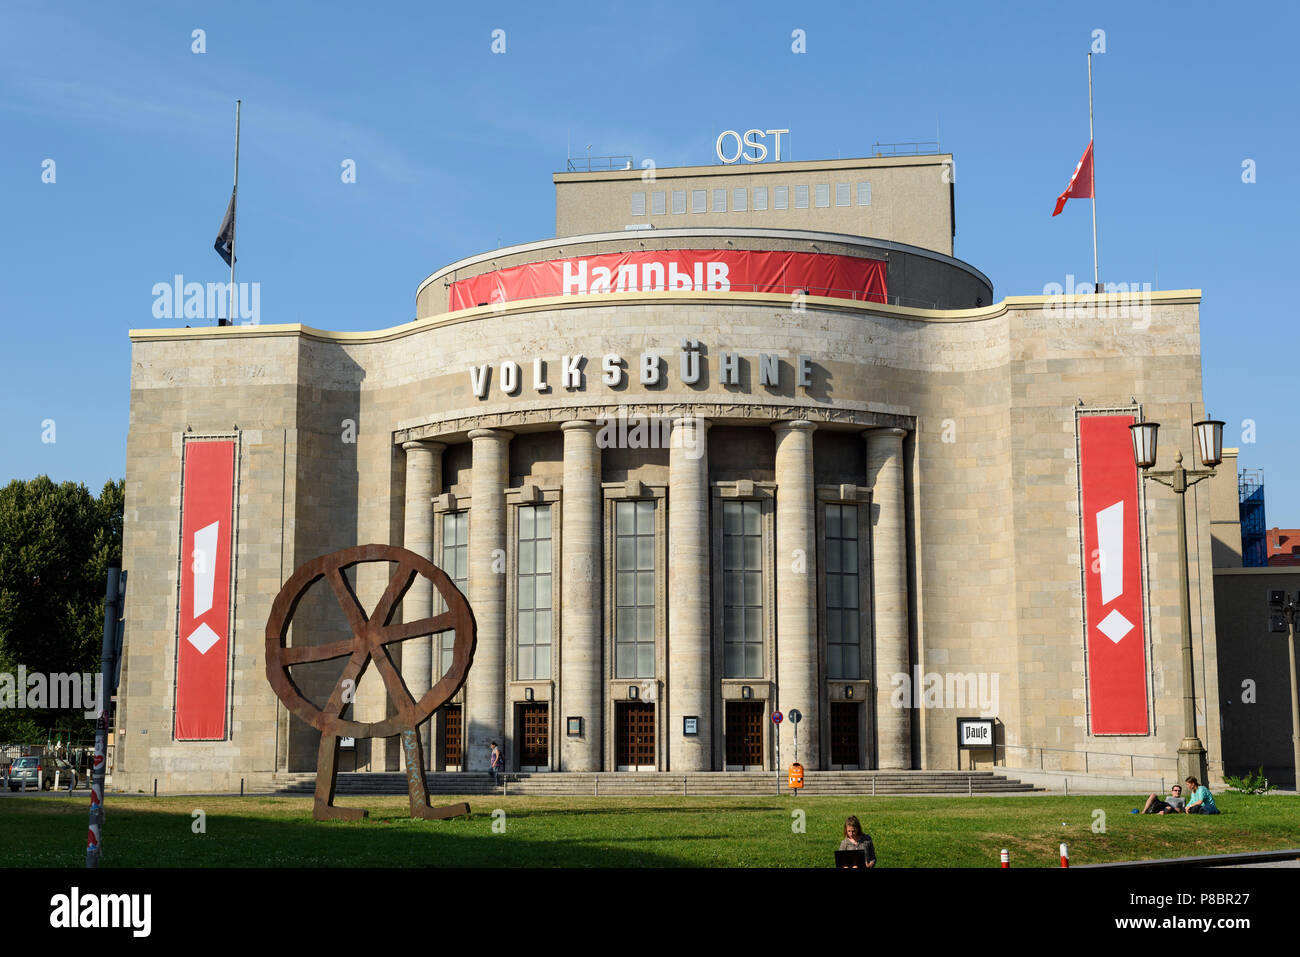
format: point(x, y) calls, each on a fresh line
point(633, 832)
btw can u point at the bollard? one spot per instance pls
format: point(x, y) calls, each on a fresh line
point(155, 787)
point(1006, 858)
point(57, 772)
point(683, 785)
point(596, 788)
point(970, 788)
point(241, 787)
point(1065, 855)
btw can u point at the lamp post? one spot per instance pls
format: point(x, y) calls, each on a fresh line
point(1282, 618)
point(1209, 437)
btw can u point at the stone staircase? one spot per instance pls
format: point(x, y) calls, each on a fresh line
point(623, 783)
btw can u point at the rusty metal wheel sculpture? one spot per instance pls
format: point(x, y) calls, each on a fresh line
point(371, 634)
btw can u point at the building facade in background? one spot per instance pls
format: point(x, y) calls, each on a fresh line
point(739, 439)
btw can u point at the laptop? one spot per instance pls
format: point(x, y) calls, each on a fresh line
point(851, 859)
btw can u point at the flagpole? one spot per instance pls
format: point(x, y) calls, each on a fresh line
point(235, 210)
point(1096, 273)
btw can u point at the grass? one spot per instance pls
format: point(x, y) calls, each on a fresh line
point(633, 832)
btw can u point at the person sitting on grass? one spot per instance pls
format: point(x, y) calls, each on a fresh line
point(855, 840)
point(1199, 798)
point(1175, 804)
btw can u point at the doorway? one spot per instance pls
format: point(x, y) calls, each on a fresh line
point(846, 741)
point(634, 736)
point(744, 735)
point(533, 736)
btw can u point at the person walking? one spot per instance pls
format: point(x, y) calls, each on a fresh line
point(495, 764)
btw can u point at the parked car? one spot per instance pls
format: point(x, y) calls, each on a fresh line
point(39, 771)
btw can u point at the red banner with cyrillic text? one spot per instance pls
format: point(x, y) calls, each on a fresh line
point(679, 270)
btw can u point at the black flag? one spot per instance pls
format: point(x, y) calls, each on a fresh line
point(225, 243)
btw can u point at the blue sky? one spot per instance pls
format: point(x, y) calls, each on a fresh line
point(454, 147)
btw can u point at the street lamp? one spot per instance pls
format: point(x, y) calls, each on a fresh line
point(1209, 439)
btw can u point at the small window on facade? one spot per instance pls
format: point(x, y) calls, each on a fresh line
point(719, 201)
point(842, 194)
point(781, 197)
point(760, 198)
point(740, 199)
point(658, 204)
point(534, 591)
point(698, 198)
point(679, 201)
point(638, 204)
point(634, 589)
point(864, 194)
point(742, 589)
point(801, 197)
point(843, 643)
point(822, 195)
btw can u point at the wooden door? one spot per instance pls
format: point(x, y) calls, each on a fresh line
point(845, 743)
point(534, 735)
point(744, 734)
point(451, 743)
point(634, 735)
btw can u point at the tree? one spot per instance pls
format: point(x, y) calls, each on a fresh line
point(56, 542)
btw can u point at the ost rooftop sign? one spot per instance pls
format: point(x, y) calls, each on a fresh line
point(750, 141)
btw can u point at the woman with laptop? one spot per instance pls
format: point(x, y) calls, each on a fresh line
point(856, 850)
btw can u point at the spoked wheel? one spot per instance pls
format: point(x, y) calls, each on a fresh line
point(371, 634)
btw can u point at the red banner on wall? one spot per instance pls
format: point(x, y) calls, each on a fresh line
point(716, 270)
point(1112, 542)
point(203, 641)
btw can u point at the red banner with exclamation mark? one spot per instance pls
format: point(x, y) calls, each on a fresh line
point(1112, 542)
point(202, 656)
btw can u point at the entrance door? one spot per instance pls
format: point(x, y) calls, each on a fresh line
point(845, 742)
point(634, 736)
point(744, 735)
point(534, 736)
point(451, 725)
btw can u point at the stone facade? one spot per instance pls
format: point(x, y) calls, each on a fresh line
point(950, 435)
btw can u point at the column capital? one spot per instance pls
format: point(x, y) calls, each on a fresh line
point(588, 424)
point(424, 445)
point(881, 431)
point(501, 434)
point(794, 425)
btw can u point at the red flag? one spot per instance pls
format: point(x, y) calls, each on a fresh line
point(1080, 183)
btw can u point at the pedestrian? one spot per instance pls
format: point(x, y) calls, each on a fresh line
point(495, 764)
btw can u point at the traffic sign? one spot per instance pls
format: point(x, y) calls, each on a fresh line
point(795, 715)
point(776, 717)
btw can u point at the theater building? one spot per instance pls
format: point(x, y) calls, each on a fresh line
point(739, 439)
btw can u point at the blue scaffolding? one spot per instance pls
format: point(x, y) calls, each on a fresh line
point(1254, 535)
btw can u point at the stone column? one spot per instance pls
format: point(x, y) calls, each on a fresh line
point(889, 593)
point(796, 590)
point(689, 597)
point(580, 624)
point(485, 688)
point(423, 482)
